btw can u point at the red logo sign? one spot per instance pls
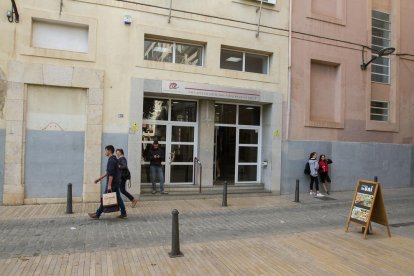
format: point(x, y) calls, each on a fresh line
point(173, 85)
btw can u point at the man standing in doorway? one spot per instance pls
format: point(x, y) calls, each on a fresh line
point(113, 181)
point(156, 155)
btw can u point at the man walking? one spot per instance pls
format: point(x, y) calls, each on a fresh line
point(113, 181)
point(156, 155)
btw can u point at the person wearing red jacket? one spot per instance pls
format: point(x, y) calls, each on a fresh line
point(323, 171)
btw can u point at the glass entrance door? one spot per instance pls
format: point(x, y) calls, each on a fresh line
point(173, 123)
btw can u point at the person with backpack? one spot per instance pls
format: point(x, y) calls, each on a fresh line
point(314, 167)
point(323, 171)
point(125, 175)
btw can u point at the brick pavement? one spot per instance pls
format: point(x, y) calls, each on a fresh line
point(31, 234)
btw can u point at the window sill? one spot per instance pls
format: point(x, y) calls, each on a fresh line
point(381, 126)
point(324, 124)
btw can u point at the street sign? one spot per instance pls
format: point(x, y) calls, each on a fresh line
point(368, 206)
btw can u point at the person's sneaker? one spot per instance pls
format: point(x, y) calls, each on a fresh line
point(153, 192)
point(134, 202)
point(122, 216)
point(93, 215)
point(311, 193)
point(164, 193)
point(319, 194)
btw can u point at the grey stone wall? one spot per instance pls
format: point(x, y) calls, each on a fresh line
point(54, 159)
point(391, 163)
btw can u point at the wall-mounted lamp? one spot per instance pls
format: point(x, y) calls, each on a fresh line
point(13, 14)
point(383, 52)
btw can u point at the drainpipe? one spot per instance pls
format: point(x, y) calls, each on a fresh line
point(289, 72)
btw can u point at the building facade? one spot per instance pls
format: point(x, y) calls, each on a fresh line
point(361, 117)
point(206, 79)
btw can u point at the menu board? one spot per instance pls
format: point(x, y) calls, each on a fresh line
point(367, 206)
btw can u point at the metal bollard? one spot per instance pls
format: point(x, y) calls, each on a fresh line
point(224, 203)
point(69, 200)
point(175, 244)
point(297, 191)
point(375, 179)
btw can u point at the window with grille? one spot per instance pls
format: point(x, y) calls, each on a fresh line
point(173, 52)
point(381, 38)
point(379, 111)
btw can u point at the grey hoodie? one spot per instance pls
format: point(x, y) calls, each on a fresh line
point(314, 166)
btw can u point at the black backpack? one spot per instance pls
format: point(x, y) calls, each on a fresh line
point(125, 174)
point(307, 170)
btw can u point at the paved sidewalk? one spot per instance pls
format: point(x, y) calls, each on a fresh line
point(254, 235)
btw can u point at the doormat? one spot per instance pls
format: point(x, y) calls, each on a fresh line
point(325, 198)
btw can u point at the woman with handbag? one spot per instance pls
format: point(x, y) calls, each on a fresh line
point(323, 171)
point(125, 175)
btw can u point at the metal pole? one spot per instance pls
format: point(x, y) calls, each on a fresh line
point(201, 174)
point(297, 191)
point(260, 15)
point(175, 244)
point(224, 203)
point(69, 200)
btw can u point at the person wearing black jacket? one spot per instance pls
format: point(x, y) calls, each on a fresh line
point(123, 166)
point(113, 182)
point(156, 155)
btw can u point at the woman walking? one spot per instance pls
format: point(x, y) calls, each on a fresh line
point(314, 167)
point(323, 171)
point(123, 166)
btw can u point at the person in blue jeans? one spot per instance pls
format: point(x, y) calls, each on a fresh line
point(156, 155)
point(113, 182)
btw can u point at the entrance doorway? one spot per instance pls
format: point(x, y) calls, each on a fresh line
point(224, 153)
point(173, 123)
point(237, 143)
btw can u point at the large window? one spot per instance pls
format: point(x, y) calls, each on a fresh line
point(173, 52)
point(243, 61)
point(379, 111)
point(381, 38)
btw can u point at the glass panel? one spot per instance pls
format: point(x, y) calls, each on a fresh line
point(256, 64)
point(184, 111)
point(379, 111)
point(225, 114)
point(182, 134)
point(145, 151)
point(380, 42)
point(379, 104)
point(380, 78)
point(382, 61)
point(247, 154)
point(181, 173)
point(249, 115)
point(154, 132)
point(379, 118)
point(154, 109)
point(381, 15)
point(145, 174)
point(188, 54)
point(248, 136)
point(380, 33)
point(158, 51)
point(380, 24)
point(380, 69)
point(182, 153)
point(247, 173)
point(231, 60)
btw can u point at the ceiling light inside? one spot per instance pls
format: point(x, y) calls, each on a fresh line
point(233, 59)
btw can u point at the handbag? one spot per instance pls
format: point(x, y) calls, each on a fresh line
point(109, 200)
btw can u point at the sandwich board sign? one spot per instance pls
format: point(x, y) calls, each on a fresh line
point(368, 206)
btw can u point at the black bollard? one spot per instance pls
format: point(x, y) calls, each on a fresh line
point(69, 200)
point(175, 244)
point(375, 179)
point(224, 203)
point(297, 191)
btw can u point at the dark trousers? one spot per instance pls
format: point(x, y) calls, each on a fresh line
point(316, 180)
point(124, 191)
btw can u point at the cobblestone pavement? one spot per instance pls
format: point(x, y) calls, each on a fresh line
point(33, 236)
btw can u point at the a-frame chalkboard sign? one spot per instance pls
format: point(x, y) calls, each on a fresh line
point(368, 206)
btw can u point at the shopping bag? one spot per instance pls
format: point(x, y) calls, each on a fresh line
point(109, 200)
